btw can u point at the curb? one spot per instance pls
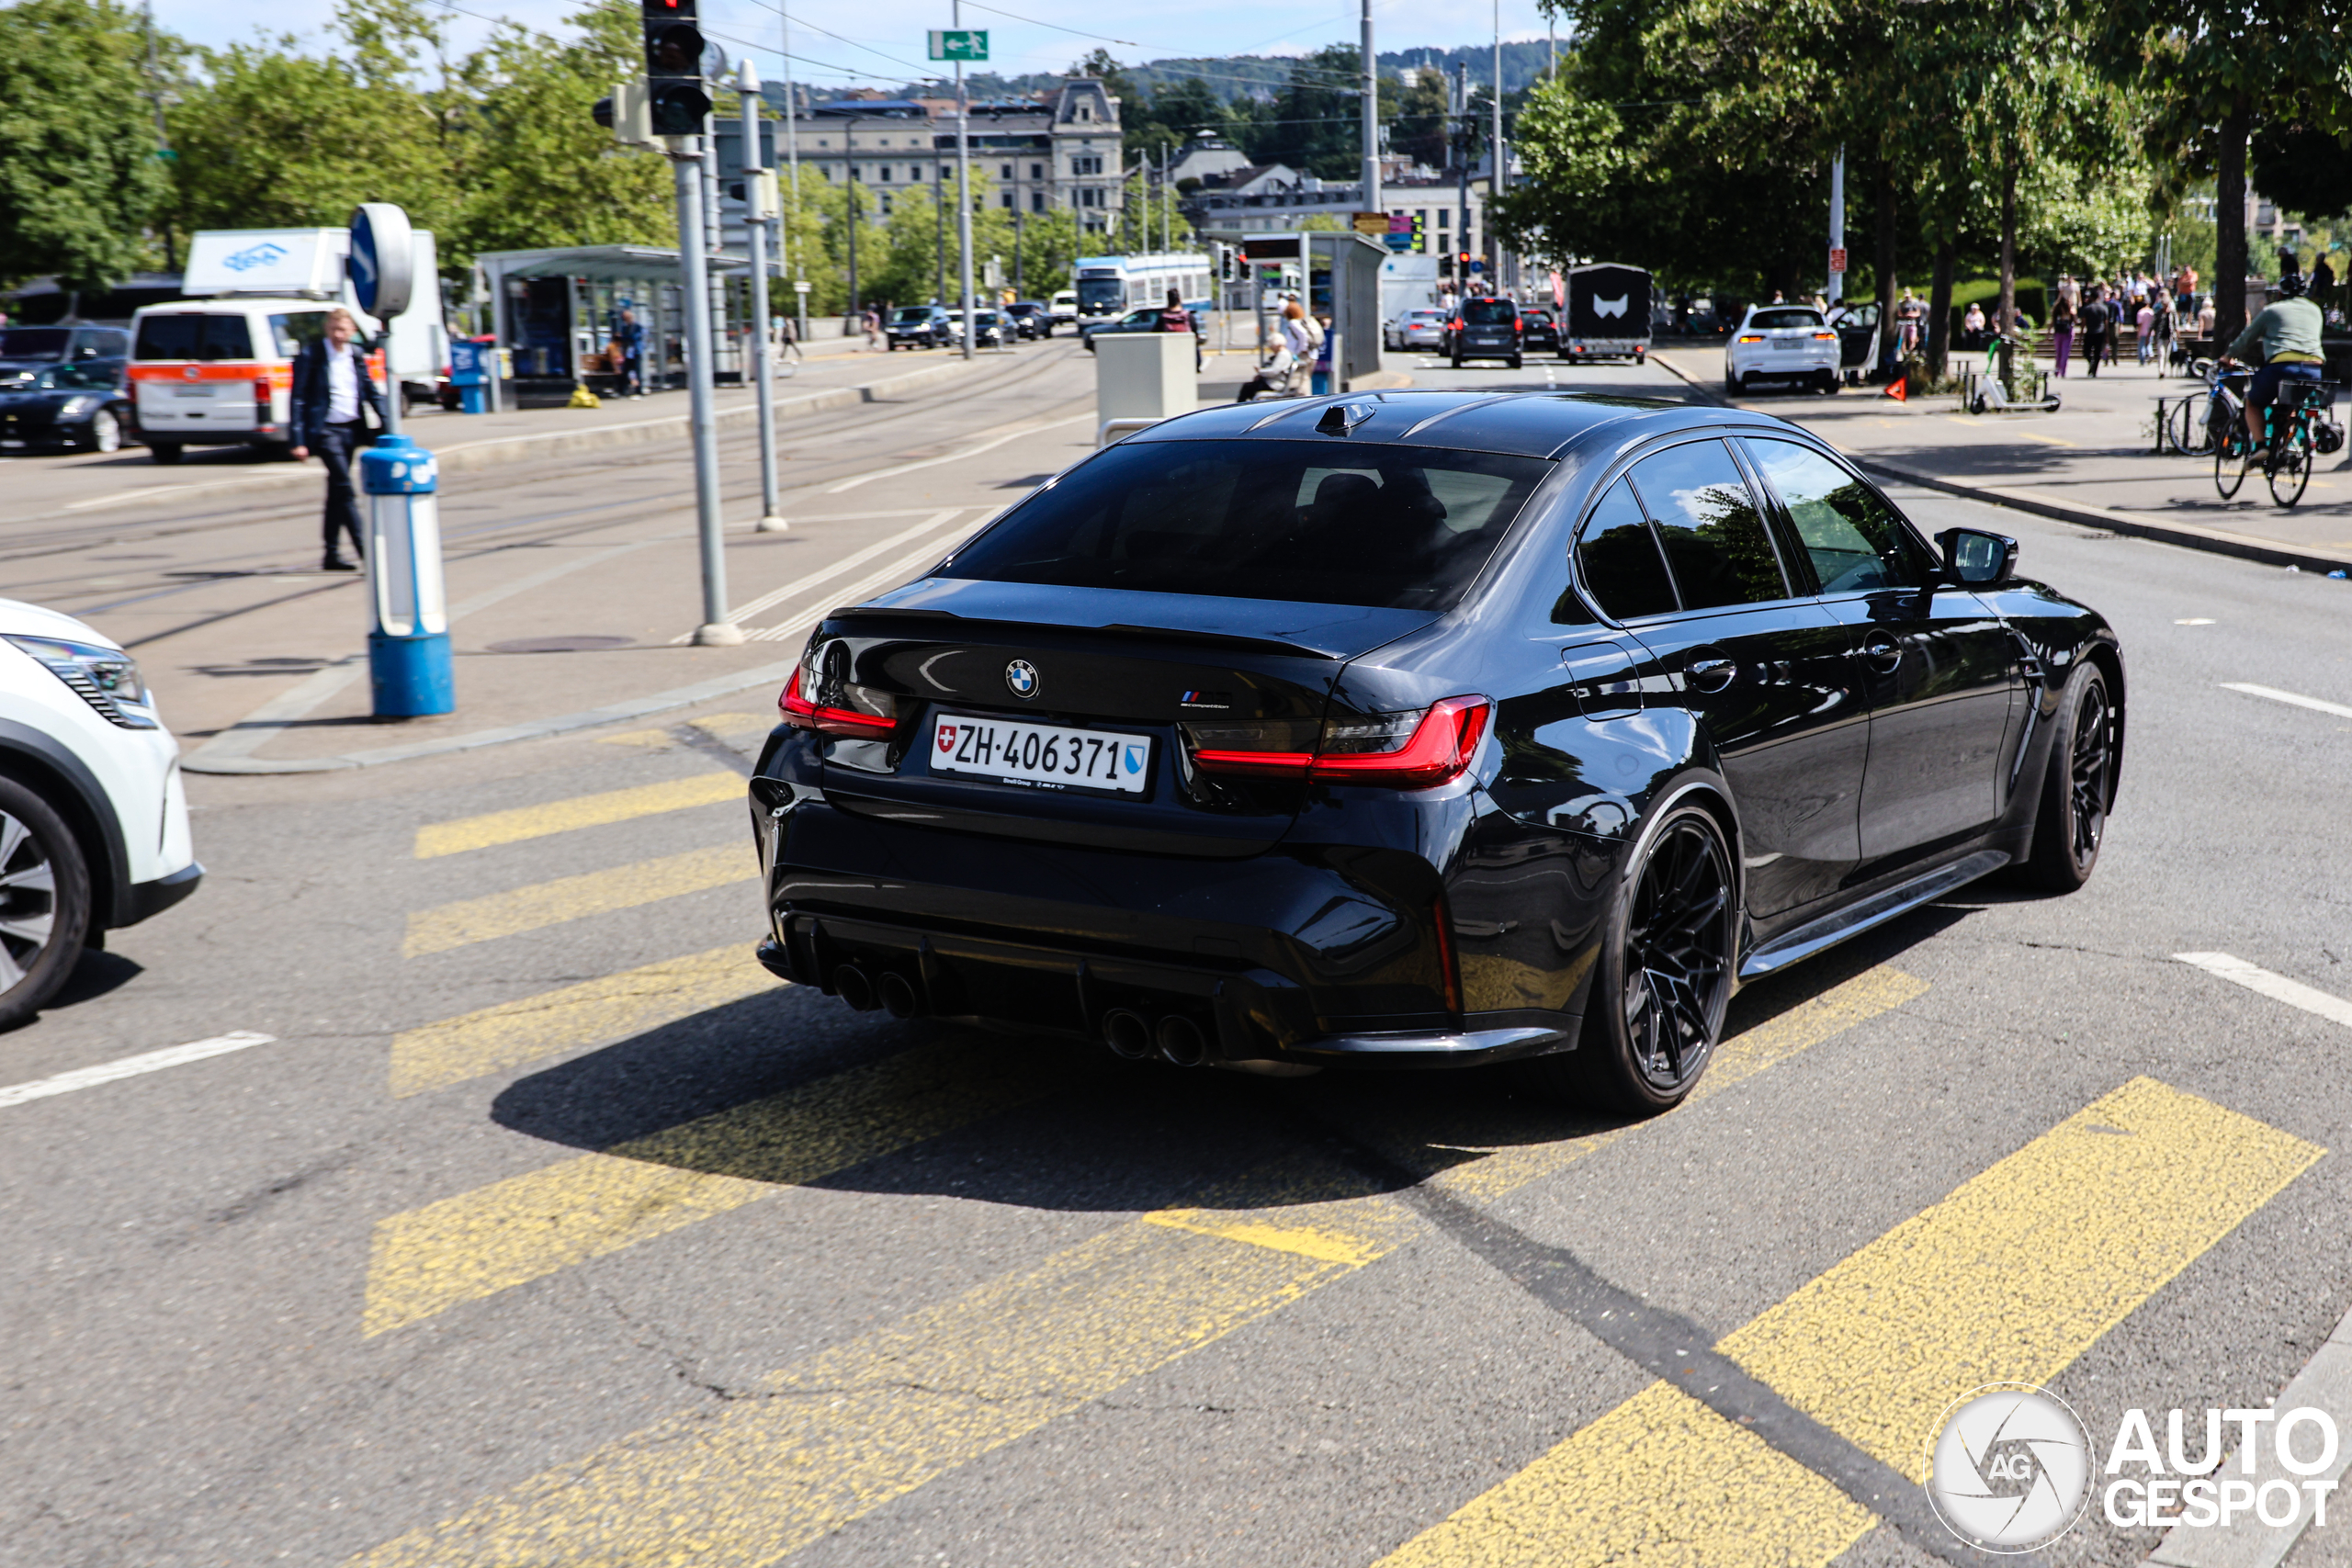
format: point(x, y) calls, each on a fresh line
point(2138, 525)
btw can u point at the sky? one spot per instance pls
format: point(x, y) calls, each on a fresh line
point(886, 39)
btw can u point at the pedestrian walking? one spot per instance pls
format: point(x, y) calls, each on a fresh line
point(2095, 321)
point(2143, 328)
point(872, 325)
point(1176, 319)
point(333, 395)
point(2061, 329)
point(788, 340)
point(629, 348)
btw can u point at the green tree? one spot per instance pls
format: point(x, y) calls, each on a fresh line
point(2212, 70)
point(1316, 122)
point(1420, 130)
point(79, 178)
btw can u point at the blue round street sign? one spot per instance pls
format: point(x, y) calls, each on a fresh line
point(382, 261)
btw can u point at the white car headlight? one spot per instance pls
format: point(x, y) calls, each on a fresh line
point(74, 408)
point(106, 678)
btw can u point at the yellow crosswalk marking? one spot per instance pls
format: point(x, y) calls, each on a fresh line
point(494, 1039)
point(721, 726)
point(580, 811)
point(574, 898)
point(887, 1413)
point(1504, 1168)
point(2021, 1269)
point(509, 1233)
point(2010, 1278)
point(1660, 1482)
point(853, 1428)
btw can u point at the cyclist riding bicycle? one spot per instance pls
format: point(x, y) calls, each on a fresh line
point(2285, 338)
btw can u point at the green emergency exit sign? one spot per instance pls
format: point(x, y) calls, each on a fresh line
point(960, 43)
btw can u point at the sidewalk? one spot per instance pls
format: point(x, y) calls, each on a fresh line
point(2092, 463)
point(77, 486)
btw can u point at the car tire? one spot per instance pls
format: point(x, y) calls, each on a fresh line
point(106, 432)
point(2077, 788)
point(1664, 979)
point(1457, 362)
point(44, 902)
point(1516, 362)
point(1731, 382)
point(164, 451)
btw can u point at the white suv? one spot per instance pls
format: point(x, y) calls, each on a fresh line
point(93, 818)
point(1781, 343)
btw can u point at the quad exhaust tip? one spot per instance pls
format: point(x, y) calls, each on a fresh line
point(898, 997)
point(1127, 1033)
point(855, 987)
point(1181, 1042)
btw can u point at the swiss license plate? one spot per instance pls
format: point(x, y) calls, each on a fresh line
point(1040, 755)
point(1788, 343)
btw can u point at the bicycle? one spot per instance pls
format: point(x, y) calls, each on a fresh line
point(2294, 439)
point(2188, 426)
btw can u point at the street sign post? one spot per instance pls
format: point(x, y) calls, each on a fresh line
point(960, 43)
point(408, 652)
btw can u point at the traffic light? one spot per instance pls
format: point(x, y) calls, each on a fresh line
point(678, 104)
point(1445, 264)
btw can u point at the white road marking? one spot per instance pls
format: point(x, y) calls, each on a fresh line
point(2278, 987)
point(2195, 621)
point(2296, 698)
point(989, 444)
point(131, 1067)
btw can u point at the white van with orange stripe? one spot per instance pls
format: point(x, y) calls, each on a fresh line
point(218, 370)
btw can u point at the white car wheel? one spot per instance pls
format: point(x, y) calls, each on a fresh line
point(106, 432)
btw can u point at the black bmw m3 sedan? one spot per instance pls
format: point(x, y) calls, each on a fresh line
point(1423, 729)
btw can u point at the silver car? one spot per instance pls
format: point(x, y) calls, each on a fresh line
point(1416, 326)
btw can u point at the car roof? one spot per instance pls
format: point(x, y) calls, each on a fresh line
point(1533, 424)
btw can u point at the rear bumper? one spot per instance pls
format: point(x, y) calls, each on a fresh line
point(1279, 956)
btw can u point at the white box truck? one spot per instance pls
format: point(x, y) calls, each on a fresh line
point(217, 368)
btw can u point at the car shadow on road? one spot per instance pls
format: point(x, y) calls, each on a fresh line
point(790, 1085)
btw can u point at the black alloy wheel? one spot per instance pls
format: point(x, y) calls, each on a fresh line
point(1665, 978)
point(44, 903)
point(2078, 789)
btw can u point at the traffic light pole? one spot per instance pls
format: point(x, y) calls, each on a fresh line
point(963, 188)
point(755, 222)
point(716, 630)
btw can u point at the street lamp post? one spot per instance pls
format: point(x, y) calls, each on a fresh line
point(964, 186)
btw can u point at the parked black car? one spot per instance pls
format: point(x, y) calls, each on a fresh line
point(85, 407)
point(918, 326)
point(1030, 318)
point(1485, 327)
point(1420, 729)
point(1538, 329)
point(988, 329)
point(32, 348)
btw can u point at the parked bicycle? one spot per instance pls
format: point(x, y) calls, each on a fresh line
point(2190, 423)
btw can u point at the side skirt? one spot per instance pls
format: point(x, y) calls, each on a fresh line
point(1876, 910)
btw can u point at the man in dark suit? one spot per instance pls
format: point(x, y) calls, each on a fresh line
point(332, 392)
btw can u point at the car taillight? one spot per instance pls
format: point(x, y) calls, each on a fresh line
point(874, 720)
point(1402, 751)
point(1751, 337)
point(1825, 337)
point(261, 399)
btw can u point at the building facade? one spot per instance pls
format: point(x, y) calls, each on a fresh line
point(1063, 152)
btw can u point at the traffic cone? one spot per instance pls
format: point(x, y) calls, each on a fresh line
point(1900, 389)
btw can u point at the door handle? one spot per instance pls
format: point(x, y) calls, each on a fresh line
point(1712, 673)
point(1883, 653)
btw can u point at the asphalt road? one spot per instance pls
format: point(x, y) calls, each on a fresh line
point(548, 1230)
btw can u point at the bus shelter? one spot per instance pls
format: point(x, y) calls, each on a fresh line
point(1342, 273)
point(555, 311)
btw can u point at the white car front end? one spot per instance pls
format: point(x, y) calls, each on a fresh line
point(80, 733)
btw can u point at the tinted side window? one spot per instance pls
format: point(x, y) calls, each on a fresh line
point(1708, 522)
point(1854, 540)
point(1617, 558)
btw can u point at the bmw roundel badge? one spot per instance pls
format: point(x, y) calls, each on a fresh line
point(1020, 678)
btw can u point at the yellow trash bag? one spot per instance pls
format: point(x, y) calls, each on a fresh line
point(581, 397)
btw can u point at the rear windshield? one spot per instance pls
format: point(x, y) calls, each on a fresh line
point(1785, 318)
point(194, 337)
point(913, 315)
point(1489, 312)
point(33, 342)
point(1317, 521)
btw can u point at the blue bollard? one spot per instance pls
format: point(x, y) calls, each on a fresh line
point(408, 652)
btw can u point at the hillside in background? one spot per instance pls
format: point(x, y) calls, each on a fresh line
point(1251, 76)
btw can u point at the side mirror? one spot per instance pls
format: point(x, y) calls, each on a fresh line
point(1973, 559)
